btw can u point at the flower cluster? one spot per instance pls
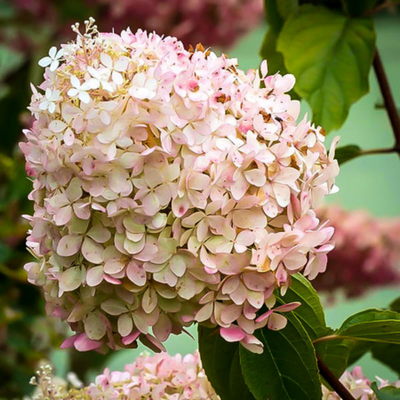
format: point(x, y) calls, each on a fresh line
point(170, 187)
point(157, 377)
point(166, 377)
point(366, 254)
point(358, 385)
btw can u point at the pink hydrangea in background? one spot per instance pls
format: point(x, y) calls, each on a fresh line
point(170, 187)
point(149, 378)
point(358, 385)
point(166, 377)
point(211, 22)
point(366, 254)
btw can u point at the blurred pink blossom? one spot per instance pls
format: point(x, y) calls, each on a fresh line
point(366, 254)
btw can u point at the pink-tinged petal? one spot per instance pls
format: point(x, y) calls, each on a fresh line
point(125, 324)
point(252, 344)
point(63, 216)
point(69, 245)
point(232, 334)
point(231, 313)
point(204, 313)
point(149, 300)
point(83, 343)
point(147, 253)
point(239, 187)
point(256, 299)
point(246, 238)
point(276, 322)
point(117, 180)
point(255, 177)
point(257, 281)
point(230, 285)
point(136, 273)
point(178, 265)
point(239, 295)
point(180, 206)
point(294, 260)
point(288, 307)
point(94, 276)
point(208, 260)
point(69, 137)
point(110, 279)
point(264, 316)
point(186, 288)
point(92, 251)
point(82, 210)
point(94, 327)
point(153, 343)
point(69, 342)
point(114, 266)
point(99, 233)
point(151, 204)
point(249, 219)
point(163, 328)
point(140, 323)
point(199, 182)
point(114, 307)
point(287, 176)
point(282, 194)
point(130, 338)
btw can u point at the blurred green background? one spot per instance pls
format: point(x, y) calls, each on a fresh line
point(370, 182)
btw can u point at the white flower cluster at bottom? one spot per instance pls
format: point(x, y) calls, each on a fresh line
point(162, 377)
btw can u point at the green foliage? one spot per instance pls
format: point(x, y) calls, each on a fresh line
point(221, 362)
point(358, 8)
point(372, 325)
point(335, 354)
point(287, 369)
point(310, 313)
point(395, 305)
point(386, 393)
point(347, 153)
point(331, 72)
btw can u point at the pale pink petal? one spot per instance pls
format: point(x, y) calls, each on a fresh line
point(232, 334)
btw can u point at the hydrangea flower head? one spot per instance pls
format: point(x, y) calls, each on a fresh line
point(170, 187)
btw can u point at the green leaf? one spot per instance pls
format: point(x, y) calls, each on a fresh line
point(357, 8)
point(335, 354)
point(220, 361)
point(395, 305)
point(386, 393)
point(347, 153)
point(277, 11)
point(358, 349)
point(237, 386)
point(268, 52)
point(388, 354)
point(10, 60)
point(287, 369)
point(310, 313)
point(330, 55)
point(372, 325)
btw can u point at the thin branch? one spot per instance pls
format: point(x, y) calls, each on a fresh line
point(387, 4)
point(335, 383)
point(388, 99)
point(380, 151)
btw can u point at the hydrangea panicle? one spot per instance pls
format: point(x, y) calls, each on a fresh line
point(170, 187)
